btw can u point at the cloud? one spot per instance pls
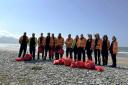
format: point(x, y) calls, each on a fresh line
point(6, 33)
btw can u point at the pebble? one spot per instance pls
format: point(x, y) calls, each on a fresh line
point(20, 73)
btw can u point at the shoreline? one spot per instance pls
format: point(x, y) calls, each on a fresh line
point(121, 60)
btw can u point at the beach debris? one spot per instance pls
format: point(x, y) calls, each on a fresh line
point(27, 57)
point(99, 68)
point(67, 61)
point(35, 68)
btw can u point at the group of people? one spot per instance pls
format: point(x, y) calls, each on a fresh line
point(76, 48)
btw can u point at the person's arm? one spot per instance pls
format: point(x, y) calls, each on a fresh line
point(71, 42)
point(44, 40)
point(62, 41)
point(20, 40)
point(36, 41)
point(100, 44)
point(66, 42)
point(78, 43)
point(27, 40)
point(115, 48)
point(108, 44)
point(92, 44)
point(85, 43)
point(55, 42)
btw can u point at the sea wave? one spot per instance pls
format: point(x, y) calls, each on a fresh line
point(16, 47)
point(123, 52)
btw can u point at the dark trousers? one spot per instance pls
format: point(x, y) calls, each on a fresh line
point(97, 55)
point(47, 49)
point(42, 51)
point(105, 57)
point(32, 51)
point(81, 52)
point(89, 54)
point(57, 55)
point(69, 51)
point(23, 48)
point(113, 59)
point(75, 50)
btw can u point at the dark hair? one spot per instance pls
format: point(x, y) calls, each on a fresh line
point(41, 33)
point(114, 38)
point(69, 34)
point(105, 36)
point(48, 34)
point(90, 35)
point(59, 36)
point(25, 33)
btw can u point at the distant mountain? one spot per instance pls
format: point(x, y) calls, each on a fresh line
point(11, 40)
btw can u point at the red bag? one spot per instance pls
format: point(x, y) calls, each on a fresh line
point(89, 65)
point(80, 64)
point(73, 64)
point(67, 61)
point(19, 59)
point(27, 57)
point(56, 62)
point(61, 61)
point(99, 68)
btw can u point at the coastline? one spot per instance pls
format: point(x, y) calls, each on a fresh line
point(122, 58)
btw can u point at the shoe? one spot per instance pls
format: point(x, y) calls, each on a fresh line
point(113, 66)
point(99, 64)
point(38, 58)
point(103, 65)
point(50, 59)
point(106, 64)
point(44, 58)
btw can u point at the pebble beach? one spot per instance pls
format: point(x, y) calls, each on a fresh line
point(45, 73)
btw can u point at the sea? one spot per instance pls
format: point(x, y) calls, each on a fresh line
point(123, 51)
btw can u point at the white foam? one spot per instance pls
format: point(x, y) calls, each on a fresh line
point(123, 52)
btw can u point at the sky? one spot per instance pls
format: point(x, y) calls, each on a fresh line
point(65, 16)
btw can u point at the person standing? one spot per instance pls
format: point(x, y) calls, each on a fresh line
point(41, 44)
point(23, 44)
point(52, 47)
point(32, 45)
point(68, 43)
point(114, 50)
point(47, 45)
point(59, 46)
point(97, 49)
point(90, 46)
point(74, 47)
point(105, 49)
point(81, 45)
